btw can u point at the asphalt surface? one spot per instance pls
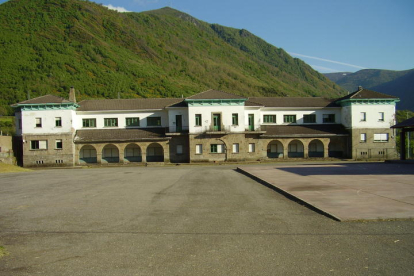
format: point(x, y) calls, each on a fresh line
point(184, 220)
point(345, 191)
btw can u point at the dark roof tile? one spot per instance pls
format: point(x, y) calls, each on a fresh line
point(118, 135)
point(363, 93)
point(291, 102)
point(214, 95)
point(130, 104)
point(45, 100)
point(305, 130)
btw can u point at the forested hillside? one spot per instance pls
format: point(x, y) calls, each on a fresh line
point(396, 83)
point(47, 46)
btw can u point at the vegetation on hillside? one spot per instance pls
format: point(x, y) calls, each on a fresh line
point(49, 45)
point(7, 125)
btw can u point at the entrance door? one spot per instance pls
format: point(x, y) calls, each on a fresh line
point(216, 122)
point(179, 123)
point(251, 122)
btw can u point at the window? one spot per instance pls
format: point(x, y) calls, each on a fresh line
point(58, 121)
point(289, 118)
point(132, 121)
point(111, 122)
point(215, 148)
point(89, 122)
point(236, 148)
point(251, 147)
point(38, 122)
point(38, 144)
point(309, 119)
point(154, 121)
point(328, 118)
point(363, 116)
point(269, 119)
point(363, 137)
point(179, 149)
point(58, 144)
point(381, 117)
point(198, 119)
point(235, 119)
point(199, 149)
point(381, 137)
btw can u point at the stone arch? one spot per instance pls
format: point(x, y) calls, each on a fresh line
point(110, 154)
point(88, 154)
point(133, 153)
point(275, 149)
point(336, 149)
point(296, 149)
point(155, 153)
point(316, 148)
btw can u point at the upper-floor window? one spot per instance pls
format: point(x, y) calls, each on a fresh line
point(89, 122)
point(154, 121)
point(235, 119)
point(269, 119)
point(132, 121)
point(38, 144)
point(381, 117)
point(363, 116)
point(328, 118)
point(111, 122)
point(58, 121)
point(289, 118)
point(198, 120)
point(38, 122)
point(309, 119)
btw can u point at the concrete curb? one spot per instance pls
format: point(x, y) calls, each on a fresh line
point(289, 195)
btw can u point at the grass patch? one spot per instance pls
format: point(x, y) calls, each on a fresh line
point(3, 252)
point(6, 168)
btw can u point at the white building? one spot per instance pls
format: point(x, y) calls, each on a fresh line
point(209, 126)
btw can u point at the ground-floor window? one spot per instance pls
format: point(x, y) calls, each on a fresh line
point(179, 149)
point(38, 144)
point(216, 148)
point(199, 149)
point(59, 144)
point(381, 137)
point(236, 148)
point(252, 147)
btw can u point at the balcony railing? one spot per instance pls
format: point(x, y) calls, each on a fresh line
point(223, 129)
point(175, 129)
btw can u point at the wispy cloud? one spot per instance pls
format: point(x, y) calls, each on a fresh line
point(321, 68)
point(145, 2)
point(118, 9)
point(328, 60)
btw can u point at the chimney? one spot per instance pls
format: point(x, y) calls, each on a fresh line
point(360, 88)
point(72, 95)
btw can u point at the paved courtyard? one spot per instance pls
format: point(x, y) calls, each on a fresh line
point(346, 191)
point(183, 220)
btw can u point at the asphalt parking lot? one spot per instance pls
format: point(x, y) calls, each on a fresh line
point(183, 220)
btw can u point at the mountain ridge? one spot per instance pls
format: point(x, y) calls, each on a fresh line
point(51, 45)
point(395, 83)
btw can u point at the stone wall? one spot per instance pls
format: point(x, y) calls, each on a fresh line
point(51, 156)
point(371, 149)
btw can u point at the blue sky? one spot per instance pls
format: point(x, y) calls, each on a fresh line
point(329, 35)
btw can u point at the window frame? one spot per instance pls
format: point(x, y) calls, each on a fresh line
point(286, 119)
point(38, 122)
point(252, 147)
point(156, 119)
point(84, 120)
point(57, 142)
point(58, 121)
point(134, 120)
point(235, 119)
point(307, 117)
point(378, 137)
point(266, 118)
point(199, 149)
point(39, 145)
point(363, 117)
point(328, 118)
point(110, 122)
point(237, 147)
point(381, 117)
point(363, 138)
point(198, 120)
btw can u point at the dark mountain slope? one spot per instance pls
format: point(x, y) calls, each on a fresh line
point(49, 45)
point(396, 83)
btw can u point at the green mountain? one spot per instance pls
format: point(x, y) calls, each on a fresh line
point(396, 83)
point(49, 45)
